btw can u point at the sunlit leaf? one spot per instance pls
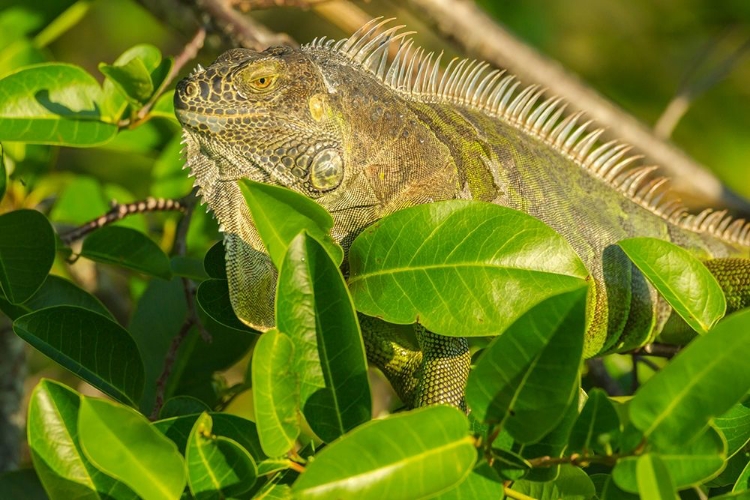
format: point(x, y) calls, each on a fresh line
point(681, 278)
point(53, 440)
point(90, 345)
point(597, 426)
point(527, 376)
point(275, 393)
point(314, 309)
point(571, 484)
point(688, 462)
point(383, 458)
point(216, 465)
point(27, 249)
point(122, 442)
point(678, 402)
point(280, 214)
point(483, 482)
point(453, 265)
point(53, 103)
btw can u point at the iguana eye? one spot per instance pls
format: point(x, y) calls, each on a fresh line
point(263, 82)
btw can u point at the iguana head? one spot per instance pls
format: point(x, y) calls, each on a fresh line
point(263, 116)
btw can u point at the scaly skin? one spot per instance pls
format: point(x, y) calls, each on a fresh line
point(337, 127)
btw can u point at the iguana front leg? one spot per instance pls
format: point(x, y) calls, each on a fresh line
point(424, 370)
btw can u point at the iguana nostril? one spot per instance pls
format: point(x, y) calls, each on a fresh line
point(191, 90)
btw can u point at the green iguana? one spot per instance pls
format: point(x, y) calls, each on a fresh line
point(337, 122)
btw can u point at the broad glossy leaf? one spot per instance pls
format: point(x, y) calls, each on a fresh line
point(571, 484)
point(90, 345)
point(188, 267)
point(280, 214)
point(128, 248)
point(613, 492)
point(53, 103)
point(314, 309)
point(159, 315)
point(275, 393)
point(735, 426)
point(483, 482)
point(743, 482)
point(122, 442)
point(236, 428)
point(508, 465)
point(214, 263)
point(527, 376)
point(653, 478)
point(688, 463)
point(682, 279)
point(732, 472)
point(56, 291)
point(3, 173)
point(52, 430)
point(213, 299)
point(553, 443)
point(596, 426)
point(739, 495)
point(27, 249)
point(182, 405)
point(384, 458)
point(217, 466)
point(114, 101)
point(131, 78)
point(453, 265)
point(678, 402)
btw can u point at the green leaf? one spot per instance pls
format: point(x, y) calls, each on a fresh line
point(121, 442)
point(53, 103)
point(735, 426)
point(3, 173)
point(217, 466)
point(214, 262)
point(508, 465)
point(483, 482)
point(52, 430)
point(613, 492)
point(188, 267)
point(159, 315)
point(653, 478)
point(213, 298)
point(739, 495)
point(27, 250)
point(182, 405)
point(65, 21)
point(275, 393)
point(452, 265)
point(56, 291)
point(314, 309)
point(553, 443)
point(384, 458)
point(597, 427)
point(571, 484)
point(128, 248)
point(743, 481)
point(682, 280)
point(527, 376)
point(688, 462)
point(280, 214)
point(131, 78)
point(90, 345)
point(678, 402)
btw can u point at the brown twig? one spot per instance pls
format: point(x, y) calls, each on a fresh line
point(659, 350)
point(248, 5)
point(161, 382)
point(476, 33)
point(240, 29)
point(119, 212)
point(602, 378)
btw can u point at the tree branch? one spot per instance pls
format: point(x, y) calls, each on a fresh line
point(119, 212)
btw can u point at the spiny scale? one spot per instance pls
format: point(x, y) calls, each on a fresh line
point(416, 75)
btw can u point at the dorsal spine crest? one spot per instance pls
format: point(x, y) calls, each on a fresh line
point(416, 75)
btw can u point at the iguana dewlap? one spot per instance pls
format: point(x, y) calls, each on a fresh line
point(365, 137)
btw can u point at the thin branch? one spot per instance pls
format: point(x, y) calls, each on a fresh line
point(601, 377)
point(161, 382)
point(248, 5)
point(476, 33)
point(659, 350)
point(240, 29)
point(119, 212)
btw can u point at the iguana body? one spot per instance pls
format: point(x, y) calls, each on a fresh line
point(364, 137)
